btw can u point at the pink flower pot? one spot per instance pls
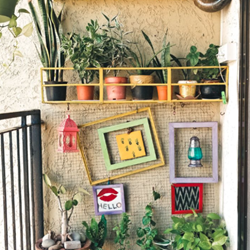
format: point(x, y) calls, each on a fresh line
point(116, 92)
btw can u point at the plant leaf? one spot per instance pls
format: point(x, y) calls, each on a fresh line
point(217, 247)
point(83, 191)
point(75, 202)
point(78, 197)
point(214, 216)
point(23, 11)
point(68, 205)
point(156, 195)
point(62, 190)
point(54, 190)
point(27, 29)
point(46, 180)
point(220, 240)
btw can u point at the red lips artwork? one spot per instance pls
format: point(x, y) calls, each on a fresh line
point(107, 194)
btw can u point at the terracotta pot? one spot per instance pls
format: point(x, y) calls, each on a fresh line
point(116, 92)
point(162, 92)
point(211, 91)
point(55, 93)
point(187, 90)
point(145, 92)
point(85, 92)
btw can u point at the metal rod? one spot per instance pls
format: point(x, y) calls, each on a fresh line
point(4, 195)
point(12, 191)
point(26, 184)
point(19, 188)
point(37, 175)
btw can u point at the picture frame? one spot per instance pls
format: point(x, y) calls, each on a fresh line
point(122, 164)
point(214, 127)
point(109, 199)
point(160, 158)
point(185, 196)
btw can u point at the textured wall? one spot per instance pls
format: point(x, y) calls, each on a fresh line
point(20, 90)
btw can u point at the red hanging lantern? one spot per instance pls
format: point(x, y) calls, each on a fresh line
point(67, 136)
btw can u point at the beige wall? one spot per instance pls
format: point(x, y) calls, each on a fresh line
point(20, 90)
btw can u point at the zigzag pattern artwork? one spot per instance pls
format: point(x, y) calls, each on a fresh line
point(186, 198)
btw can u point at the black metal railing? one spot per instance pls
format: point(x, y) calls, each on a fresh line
point(21, 180)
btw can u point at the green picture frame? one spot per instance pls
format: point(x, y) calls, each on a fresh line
point(150, 157)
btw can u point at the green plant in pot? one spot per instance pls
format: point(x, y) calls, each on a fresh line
point(189, 76)
point(96, 232)
point(165, 61)
point(142, 76)
point(86, 51)
point(117, 46)
point(210, 75)
point(48, 26)
point(198, 232)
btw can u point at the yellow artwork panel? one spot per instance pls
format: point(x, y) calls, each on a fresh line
point(130, 145)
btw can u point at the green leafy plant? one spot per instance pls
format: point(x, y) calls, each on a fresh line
point(196, 232)
point(49, 36)
point(192, 59)
point(165, 60)
point(86, 51)
point(117, 44)
point(122, 232)
point(96, 232)
point(148, 232)
point(209, 59)
point(69, 205)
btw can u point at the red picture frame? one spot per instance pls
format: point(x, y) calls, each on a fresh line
point(185, 193)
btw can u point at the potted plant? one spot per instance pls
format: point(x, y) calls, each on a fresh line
point(122, 232)
point(165, 61)
point(195, 231)
point(7, 9)
point(96, 232)
point(68, 207)
point(50, 54)
point(86, 51)
point(192, 59)
point(210, 75)
point(117, 45)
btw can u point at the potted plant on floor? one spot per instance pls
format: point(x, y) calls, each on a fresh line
point(86, 51)
point(210, 75)
point(50, 239)
point(118, 53)
point(195, 231)
point(50, 54)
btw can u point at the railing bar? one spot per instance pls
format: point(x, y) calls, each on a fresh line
point(31, 190)
point(4, 195)
point(19, 187)
point(14, 129)
point(12, 191)
point(18, 114)
point(26, 184)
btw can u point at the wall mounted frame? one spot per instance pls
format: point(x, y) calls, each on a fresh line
point(122, 164)
point(186, 196)
point(109, 199)
point(176, 125)
point(160, 158)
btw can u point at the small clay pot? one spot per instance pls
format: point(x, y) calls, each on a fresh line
point(144, 92)
point(116, 92)
point(85, 92)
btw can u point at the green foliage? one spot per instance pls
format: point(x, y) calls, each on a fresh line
point(197, 232)
point(87, 51)
point(209, 59)
point(117, 44)
point(122, 233)
point(49, 37)
point(96, 233)
point(69, 204)
point(148, 233)
point(139, 59)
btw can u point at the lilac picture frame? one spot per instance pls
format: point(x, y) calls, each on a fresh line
point(172, 127)
point(100, 206)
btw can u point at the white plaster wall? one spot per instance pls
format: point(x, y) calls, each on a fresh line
point(229, 126)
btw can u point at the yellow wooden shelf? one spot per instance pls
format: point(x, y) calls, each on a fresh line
point(101, 86)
